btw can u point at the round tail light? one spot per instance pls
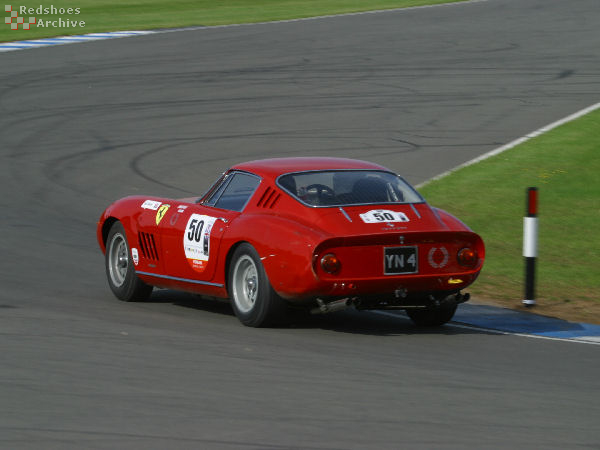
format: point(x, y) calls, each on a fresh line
point(330, 263)
point(467, 257)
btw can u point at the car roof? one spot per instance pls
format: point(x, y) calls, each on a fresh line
point(278, 166)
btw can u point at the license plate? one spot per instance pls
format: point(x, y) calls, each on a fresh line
point(399, 260)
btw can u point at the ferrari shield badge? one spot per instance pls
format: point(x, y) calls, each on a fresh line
point(161, 212)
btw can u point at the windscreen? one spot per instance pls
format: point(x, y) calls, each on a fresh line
point(348, 187)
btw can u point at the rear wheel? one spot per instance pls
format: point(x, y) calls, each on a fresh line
point(119, 268)
point(433, 316)
point(254, 301)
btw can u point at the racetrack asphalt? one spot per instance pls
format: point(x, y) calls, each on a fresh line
point(419, 91)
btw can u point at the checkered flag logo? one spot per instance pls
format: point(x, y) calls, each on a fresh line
point(14, 20)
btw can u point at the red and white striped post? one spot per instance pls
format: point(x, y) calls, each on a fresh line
point(530, 234)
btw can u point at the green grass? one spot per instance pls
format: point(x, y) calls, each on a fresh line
point(490, 197)
point(114, 15)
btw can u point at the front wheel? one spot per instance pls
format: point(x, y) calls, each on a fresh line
point(119, 268)
point(254, 301)
point(433, 316)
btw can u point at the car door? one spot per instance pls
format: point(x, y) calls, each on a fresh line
point(192, 233)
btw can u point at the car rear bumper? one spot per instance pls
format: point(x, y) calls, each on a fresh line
point(402, 286)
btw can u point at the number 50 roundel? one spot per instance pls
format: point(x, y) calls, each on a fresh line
point(196, 240)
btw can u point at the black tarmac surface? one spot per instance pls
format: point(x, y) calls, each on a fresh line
point(420, 91)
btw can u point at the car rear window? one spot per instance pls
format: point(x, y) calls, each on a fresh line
point(348, 187)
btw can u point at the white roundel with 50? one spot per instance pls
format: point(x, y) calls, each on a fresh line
point(383, 215)
point(196, 240)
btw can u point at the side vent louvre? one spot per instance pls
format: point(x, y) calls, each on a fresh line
point(148, 246)
point(268, 199)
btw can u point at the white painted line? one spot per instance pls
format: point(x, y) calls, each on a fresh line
point(580, 340)
point(328, 16)
point(514, 143)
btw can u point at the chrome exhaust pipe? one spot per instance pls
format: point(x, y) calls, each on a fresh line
point(457, 298)
point(337, 305)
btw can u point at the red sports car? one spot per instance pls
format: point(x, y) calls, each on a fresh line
point(318, 233)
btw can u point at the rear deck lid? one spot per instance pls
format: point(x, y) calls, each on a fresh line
point(377, 219)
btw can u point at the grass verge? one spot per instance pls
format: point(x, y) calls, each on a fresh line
point(114, 15)
point(490, 197)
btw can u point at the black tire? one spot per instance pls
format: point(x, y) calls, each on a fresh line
point(119, 268)
point(253, 299)
point(433, 316)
